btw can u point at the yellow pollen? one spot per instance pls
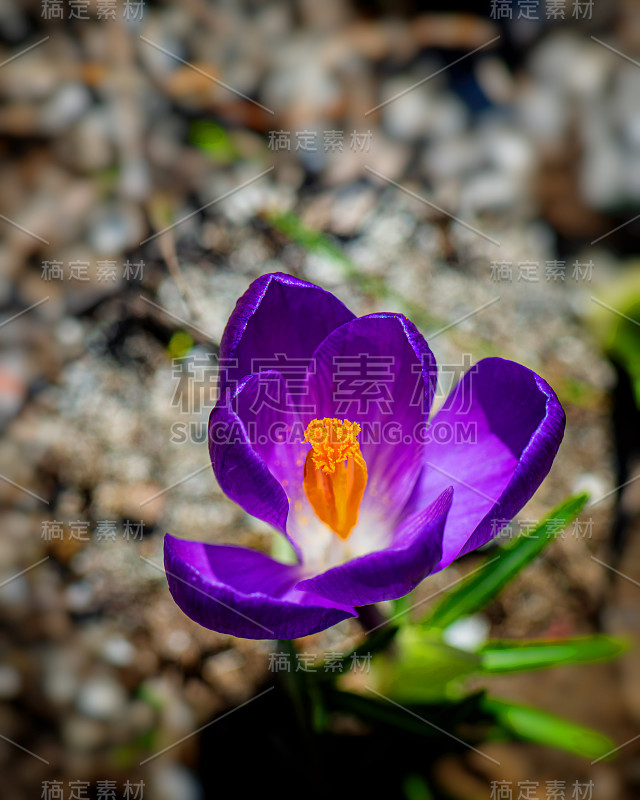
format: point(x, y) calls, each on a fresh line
point(334, 473)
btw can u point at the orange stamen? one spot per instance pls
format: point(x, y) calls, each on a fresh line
point(335, 473)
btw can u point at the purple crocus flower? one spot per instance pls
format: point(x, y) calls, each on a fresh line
point(322, 430)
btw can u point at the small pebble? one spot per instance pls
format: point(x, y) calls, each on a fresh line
point(101, 698)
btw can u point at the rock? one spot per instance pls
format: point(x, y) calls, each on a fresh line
point(171, 781)
point(88, 146)
point(68, 103)
point(224, 671)
point(13, 387)
point(114, 229)
point(60, 678)
point(118, 651)
point(83, 735)
point(178, 642)
point(10, 682)
point(137, 501)
point(15, 593)
point(468, 633)
point(101, 698)
point(491, 190)
point(451, 157)
point(601, 174)
point(80, 597)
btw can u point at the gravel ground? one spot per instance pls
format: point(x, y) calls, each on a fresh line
point(518, 158)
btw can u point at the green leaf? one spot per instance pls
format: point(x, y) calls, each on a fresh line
point(615, 319)
point(319, 715)
point(382, 713)
point(213, 140)
point(533, 725)
point(415, 787)
point(331, 669)
point(476, 591)
point(312, 240)
point(401, 607)
point(318, 242)
point(180, 344)
point(422, 667)
point(510, 656)
point(429, 720)
point(282, 550)
point(294, 682)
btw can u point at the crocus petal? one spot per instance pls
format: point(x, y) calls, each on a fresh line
point(243, 592)
point(378, 371)
point(241, 471)
point(494, 440)
point(393, 572)
point(277, 324)
point(274, 428)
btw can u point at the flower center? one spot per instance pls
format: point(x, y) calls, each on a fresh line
point(335, 473)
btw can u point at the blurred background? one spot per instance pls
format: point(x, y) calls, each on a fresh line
point(474, 166)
